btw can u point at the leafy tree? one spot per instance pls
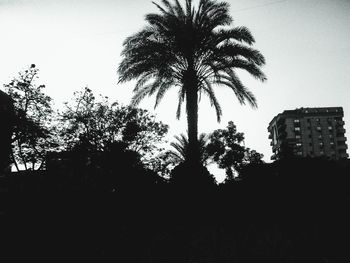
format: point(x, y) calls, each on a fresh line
point(32, 136)
point(253, 157)
point(226, 148)
point(193, 49)
point(97, 124)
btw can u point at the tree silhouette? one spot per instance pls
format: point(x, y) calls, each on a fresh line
point(192, 49)
point(33, 133)
point(180, 149)
point(98, 123)
point(226, 148)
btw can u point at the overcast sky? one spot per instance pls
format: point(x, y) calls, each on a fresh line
point(76, 43)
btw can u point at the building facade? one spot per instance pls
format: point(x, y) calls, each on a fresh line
point(309, 132)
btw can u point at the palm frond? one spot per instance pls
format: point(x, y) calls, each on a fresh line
point(241, 92)
point(240, 34)
point(180, 148)
point(233, 50)
point(180, 13)
point(167, 5)
point(161, 92)
point(207, 88)
point(181, 99)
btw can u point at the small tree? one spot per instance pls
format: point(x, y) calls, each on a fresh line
point(226, 148)
point(32, 136)
point(180, 149)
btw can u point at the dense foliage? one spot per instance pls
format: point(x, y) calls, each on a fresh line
point(86, 123)
point(100, 123)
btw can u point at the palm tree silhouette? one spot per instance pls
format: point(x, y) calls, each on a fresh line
point(192, 49)
point(180, 149)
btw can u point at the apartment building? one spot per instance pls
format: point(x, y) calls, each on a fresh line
point(309, 132)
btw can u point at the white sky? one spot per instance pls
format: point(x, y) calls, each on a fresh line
point(76, 43)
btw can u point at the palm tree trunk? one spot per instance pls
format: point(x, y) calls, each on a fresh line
point(192, 123)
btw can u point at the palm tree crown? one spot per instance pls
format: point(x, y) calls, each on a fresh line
point(192, 49)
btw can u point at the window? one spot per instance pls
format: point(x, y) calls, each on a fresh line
point(320, 136)
point(317, 119)
point(330, 128)
point(322, 152)
point(296, 121)
point(298, 144)
point(297, 128)
point(318, 128)
point(331, 136)
point(297, 136)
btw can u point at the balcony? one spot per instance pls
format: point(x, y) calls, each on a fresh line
point(296, 124)
point(341, 139)
point(343, 146)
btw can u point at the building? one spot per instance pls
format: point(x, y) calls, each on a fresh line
point(309, 132)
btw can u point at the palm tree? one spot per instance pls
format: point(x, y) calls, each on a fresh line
point(180, 149)
point(194, 50)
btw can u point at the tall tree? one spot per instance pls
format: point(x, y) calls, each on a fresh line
point(193, 49)
point(32, 136)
